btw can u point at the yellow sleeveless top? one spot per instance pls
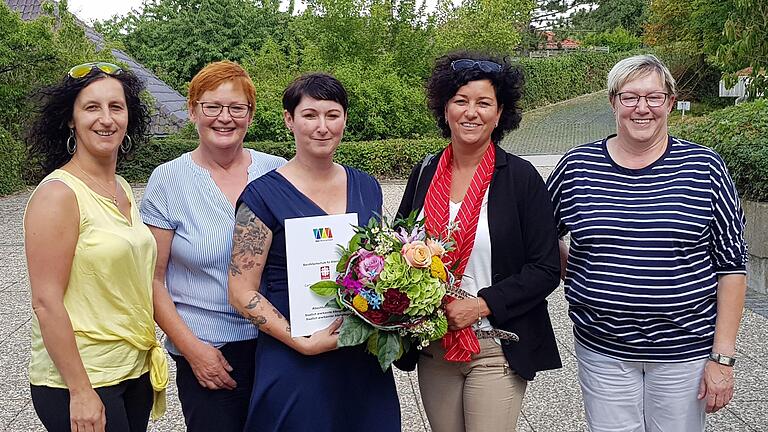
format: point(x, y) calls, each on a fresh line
point(108, 298)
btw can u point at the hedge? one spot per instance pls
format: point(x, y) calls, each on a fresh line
point(384, 159)
point(555, 79)
point(740, 135)
point(12, 154)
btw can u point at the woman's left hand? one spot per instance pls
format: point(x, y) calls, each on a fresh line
point(461, 313)
point(716, 386)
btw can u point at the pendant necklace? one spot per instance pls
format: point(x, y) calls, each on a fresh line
point(113, 195)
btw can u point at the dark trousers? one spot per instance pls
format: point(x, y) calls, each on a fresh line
point(218, 410)
point(127, 405)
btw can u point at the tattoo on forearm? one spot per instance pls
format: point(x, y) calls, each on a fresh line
point(254, 301)
point(288, 329)
point(258, 320)
point(249, 240)
point(277, 312)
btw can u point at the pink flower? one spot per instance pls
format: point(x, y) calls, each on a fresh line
point(370, 266)
point(351, 286)
point(417, 254)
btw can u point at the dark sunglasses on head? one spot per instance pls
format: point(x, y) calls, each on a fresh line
point(84, 69)
point(483, 65)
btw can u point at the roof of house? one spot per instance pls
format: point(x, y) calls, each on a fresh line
point(170, 104)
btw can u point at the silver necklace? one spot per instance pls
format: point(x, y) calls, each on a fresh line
point(113, 195)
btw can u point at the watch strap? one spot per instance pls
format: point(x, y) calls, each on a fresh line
point(722, 359)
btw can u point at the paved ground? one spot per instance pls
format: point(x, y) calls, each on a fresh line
point(552, 403)
point(553, 129)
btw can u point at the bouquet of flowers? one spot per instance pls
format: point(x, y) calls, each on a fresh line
point(393, 280)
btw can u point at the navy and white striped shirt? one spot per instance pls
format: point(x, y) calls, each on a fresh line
point(647, 247)
point(182, 196)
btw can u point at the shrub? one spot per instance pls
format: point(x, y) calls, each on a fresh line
point(11, 163)
point(617, 39)
point(740, 135)
point(385, 159)
point(554, 79)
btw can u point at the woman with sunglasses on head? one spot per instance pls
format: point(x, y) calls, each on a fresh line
point(655, 273)
point(189, 205)
point(96, 363)
point(304, 384)
point(506, 251)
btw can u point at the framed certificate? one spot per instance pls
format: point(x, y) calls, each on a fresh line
point(312, 252)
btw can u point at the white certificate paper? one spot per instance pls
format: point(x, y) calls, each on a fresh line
point(311, 246)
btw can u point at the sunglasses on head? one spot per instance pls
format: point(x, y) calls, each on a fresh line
point(84, 69)
point(483, 65)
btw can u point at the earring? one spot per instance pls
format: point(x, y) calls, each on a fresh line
point(71, 142)
point(126, 147)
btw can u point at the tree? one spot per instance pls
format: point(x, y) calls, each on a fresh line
point(34, 54)
point(630, 15)
point(487, 25)
point(746, 44)
point(687, 35)
point(176, 38)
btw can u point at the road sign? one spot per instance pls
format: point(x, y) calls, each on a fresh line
point(684, 105)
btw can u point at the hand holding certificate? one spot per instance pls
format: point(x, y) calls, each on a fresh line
point(311, 246)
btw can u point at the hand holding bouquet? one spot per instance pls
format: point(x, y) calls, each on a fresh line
point(393, 280)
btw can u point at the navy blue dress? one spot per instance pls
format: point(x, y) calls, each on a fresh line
point(337, 391)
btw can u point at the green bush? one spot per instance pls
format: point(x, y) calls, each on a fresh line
point(11, 163)
point(554, 79)
point(385, 159)
point(740, 135)
point(617, 39)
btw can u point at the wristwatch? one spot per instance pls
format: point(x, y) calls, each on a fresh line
point(722, 359)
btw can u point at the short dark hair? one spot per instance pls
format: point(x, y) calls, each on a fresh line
point(445, 82)
point(317, 85)
point(49, 130)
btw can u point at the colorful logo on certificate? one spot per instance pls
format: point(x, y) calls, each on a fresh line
point(325, 272)
point(322, 233)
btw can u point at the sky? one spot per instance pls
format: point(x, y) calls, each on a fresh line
point(90, 10)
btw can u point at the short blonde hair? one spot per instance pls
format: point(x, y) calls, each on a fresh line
point(214, 74)
point(633, 67)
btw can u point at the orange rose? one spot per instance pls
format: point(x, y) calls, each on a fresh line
point(435, 248)
point(417, 254)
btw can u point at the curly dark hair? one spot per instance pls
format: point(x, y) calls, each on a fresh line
point(48, 132)
point(445, 82)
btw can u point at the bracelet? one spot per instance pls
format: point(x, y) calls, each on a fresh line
point(479, 317)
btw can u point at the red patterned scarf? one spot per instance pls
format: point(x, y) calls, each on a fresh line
point(459, 345)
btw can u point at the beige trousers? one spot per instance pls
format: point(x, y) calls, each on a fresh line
point(483, 395)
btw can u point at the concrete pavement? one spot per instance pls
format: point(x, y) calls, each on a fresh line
point(552, 402)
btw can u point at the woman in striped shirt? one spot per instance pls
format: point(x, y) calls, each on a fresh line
point(189, 205)
point(655, 273)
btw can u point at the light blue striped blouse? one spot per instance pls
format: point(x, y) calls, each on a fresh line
point(182, 196)
point(647, 247)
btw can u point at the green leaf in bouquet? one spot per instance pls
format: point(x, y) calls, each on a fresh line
point(324, 288)
point(333, 304)
point(353, 331)
point(373, 343)
point(354, 243)
point(341, 267)
point(390, 349)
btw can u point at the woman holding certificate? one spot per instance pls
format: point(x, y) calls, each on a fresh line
point(305, 382)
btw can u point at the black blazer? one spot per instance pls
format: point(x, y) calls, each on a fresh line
point(525, 260)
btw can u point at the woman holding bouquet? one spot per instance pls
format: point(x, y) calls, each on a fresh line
point(305, 383)
point(506, 250)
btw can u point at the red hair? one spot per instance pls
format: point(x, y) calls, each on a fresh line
point(214, 74)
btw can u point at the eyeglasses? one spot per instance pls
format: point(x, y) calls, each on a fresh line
point(483, 65)
point(237, 111)
point(630, 100)
point(84, 69)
